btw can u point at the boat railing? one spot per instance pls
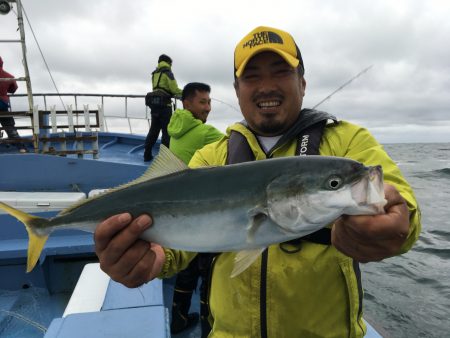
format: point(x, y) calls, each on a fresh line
point(53, 129)
point(131, 110)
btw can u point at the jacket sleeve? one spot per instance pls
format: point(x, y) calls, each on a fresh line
point(212, 134)
point(359, 144)
point(176, 261)
point(172, 84)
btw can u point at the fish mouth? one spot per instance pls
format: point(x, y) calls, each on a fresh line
point(368, 193)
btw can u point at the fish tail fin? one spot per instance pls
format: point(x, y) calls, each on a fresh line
point(36, 241)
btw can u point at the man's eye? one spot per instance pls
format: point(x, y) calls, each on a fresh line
point(283, 71)
point(250, 76)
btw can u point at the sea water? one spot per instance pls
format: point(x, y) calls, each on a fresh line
point(409, 295)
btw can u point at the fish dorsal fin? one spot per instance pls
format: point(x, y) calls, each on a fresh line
point(165, 163)
point(244, 259)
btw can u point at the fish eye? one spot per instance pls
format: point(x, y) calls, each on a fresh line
point(334, 182)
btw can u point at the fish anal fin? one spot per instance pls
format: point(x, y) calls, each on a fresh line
point(244, 259)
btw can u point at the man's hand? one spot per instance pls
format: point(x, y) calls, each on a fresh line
point(123, 256)
point(373, 238)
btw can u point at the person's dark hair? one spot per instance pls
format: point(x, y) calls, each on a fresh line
point(190, 89)
point(165, 58)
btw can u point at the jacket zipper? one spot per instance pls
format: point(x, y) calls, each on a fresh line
point(208, 294)
point(360, 291)
point(263, 294)
point(263, 287)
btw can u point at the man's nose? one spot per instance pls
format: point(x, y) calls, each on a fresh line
point(267, 84)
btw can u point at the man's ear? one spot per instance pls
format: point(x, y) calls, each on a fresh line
point(236, 87)
point(303, 85)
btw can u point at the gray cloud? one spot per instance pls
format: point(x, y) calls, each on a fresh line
point(112, 47)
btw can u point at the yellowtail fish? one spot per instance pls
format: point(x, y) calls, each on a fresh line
point(241, 207)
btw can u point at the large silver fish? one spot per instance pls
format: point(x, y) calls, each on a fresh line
point(241, 207)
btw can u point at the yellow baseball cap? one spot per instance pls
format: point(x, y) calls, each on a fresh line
point(263, 39)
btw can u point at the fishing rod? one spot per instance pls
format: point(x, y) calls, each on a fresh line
point(225, 103)
point(342, 86)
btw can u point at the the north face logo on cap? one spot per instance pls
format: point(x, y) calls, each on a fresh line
point(263, 37)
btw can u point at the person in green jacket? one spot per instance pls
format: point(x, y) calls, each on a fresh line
point(307, 290)
point(187, 129)
point(162, 80)
point(189, 132)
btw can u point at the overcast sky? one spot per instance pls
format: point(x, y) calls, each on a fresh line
point(112, 47)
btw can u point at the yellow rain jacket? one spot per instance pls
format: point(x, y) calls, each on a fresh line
point(163, 78)
point(313, 292)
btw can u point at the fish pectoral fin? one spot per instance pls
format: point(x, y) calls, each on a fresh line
point(244, 259)
point(256, 215)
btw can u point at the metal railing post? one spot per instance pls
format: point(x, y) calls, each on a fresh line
point(53, 119)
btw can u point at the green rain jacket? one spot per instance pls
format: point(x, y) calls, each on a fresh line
point(187, 134)
point(312, 292)
point(167, 82)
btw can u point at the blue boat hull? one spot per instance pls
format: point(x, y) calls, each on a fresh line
point(121, 160)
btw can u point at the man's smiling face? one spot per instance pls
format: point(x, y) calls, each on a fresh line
point(270, 94)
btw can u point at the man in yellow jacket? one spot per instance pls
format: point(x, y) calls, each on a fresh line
point(305, 288)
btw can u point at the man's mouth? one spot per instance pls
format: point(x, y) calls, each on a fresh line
point(268, 104)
